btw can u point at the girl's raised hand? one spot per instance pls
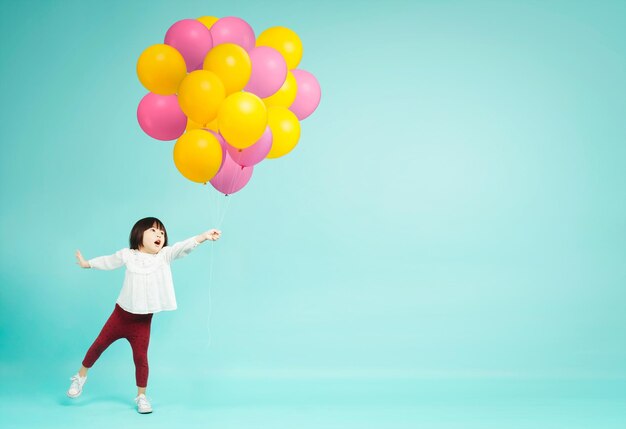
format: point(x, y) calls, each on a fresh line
point(213, 234)
point(81, 261)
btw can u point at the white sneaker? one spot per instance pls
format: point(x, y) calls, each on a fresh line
point(76, 388)
point(143, 405)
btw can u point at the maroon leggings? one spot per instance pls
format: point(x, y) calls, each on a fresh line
point(136, 329)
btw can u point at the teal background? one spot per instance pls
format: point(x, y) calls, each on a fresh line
point(443, 249)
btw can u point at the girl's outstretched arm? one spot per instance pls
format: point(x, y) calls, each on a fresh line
point(109, 262)
point(183, 248)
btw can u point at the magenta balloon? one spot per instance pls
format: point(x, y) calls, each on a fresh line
point(232, 177)
point(161, 117)
point(307, 96)
point(269, 71)
point(254, 154)
point(192, 39)
point(235, 30)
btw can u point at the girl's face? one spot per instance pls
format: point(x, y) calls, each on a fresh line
point(153, 240)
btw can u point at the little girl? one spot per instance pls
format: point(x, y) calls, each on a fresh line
point(147, 289)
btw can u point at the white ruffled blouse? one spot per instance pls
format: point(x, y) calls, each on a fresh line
point(148, 285)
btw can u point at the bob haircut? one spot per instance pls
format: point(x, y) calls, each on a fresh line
point(136, 234)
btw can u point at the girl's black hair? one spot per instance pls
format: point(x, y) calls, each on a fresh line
point(136, 234)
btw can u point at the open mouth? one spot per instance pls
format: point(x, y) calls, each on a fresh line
point(158, 242)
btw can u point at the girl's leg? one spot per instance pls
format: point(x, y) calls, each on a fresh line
point(110, 333)
point(139, 340)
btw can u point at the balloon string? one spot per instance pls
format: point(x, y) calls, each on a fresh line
point(225, 209)
point(213, 212)
point(218, 211)
point(216, 214)
point(218, 201)
point(208, 320)
point(221, 209)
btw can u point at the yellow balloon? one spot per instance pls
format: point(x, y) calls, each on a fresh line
point(285, 96)
point(242, 119)
point(200, 95)
point(160, 69)
point(191, 125)
point(285, 41)
point(208, 21)
point(285, 131)
point(198, 155)
point(212, 125)
point(231, 64)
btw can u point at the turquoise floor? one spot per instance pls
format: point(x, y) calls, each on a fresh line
point(199, 401)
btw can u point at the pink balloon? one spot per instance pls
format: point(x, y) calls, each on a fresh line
point(192, 39)
point(254, 154)
point(308, 94)
point(161, 117)
point(232, 177)
point(235, 30)
point(269, 71)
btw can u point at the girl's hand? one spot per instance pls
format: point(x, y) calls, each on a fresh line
point(81, 261)
point(213, 234)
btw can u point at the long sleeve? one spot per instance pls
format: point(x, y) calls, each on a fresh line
point(109, 262)
point(180, 249)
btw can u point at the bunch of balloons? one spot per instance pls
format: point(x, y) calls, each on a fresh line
point(230, 99)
